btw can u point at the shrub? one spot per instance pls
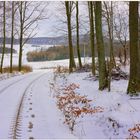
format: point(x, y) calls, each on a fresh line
point(133, 132)
point(74, 105)
point(52, 53)
point(61, 69)
point(24, 69)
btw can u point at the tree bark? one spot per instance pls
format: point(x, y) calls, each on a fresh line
point(72, 65)
point(103, 83)
point(4, 36)
point(109, 19)
point(125, 55)
point(21, 35)
point(77, 30)
point(133, 86)
point(91, 19)
point(138, 65)
point(12, 37)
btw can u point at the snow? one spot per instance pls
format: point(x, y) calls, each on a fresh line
point(37, 65)
point(46, 120)
point(117, 105)
point(40, 117)
point(9, 75)
point(55, 63)
point(27, 48)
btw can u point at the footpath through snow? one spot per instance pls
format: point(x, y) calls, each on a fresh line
point(38, 117)
point(28, 108)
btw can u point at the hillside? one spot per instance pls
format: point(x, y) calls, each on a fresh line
point(60, 40)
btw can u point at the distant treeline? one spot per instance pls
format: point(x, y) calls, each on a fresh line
point(62, 52)
point(38, 40)
point(7, 50)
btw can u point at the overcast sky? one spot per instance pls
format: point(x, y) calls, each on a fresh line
point(56, 12)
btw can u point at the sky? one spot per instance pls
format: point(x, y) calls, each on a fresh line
point(53, 26)
point(46, 26)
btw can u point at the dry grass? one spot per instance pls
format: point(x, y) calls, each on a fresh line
point(24, 69)
point(61, 69)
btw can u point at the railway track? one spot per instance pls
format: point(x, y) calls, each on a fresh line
point(16, 127)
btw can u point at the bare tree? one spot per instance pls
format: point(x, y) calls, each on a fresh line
point(108, 14)
point(77, 34)
point(134, 81)
point(29, 14)
point(4, 36)
point(69, 8)
point(92, 45)
point(103, 82)
point(121, 29)
point(14, 9)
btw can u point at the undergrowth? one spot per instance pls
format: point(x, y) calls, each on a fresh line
point(69, 101)
point(134, 132)
point(24, 69)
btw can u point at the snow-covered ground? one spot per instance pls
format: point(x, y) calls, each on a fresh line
point(27, 48)
point(37, 65)
point(40, 117)
point(121, 112)
point(29, 97)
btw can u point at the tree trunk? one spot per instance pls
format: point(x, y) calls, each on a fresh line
point(124, 52)
point(71, 56)
point(133, 29)
point(138, 65)
point(103, 83)
point(12, 38)
point(112, 58)
point(77, 30)
point(21, 36)
point(90, 8)
point(4, 40)
point(20, 51)
point(109, 20)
